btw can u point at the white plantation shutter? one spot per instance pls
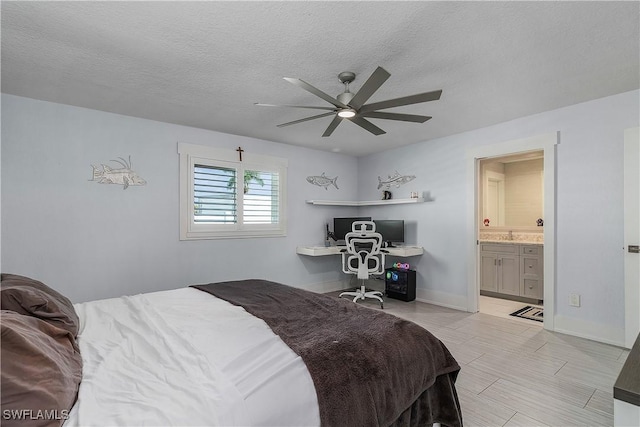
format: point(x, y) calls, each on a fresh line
point(221, 197)
point(214, 195)
point(261, 200)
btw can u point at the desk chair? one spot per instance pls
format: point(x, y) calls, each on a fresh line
point(363, 256)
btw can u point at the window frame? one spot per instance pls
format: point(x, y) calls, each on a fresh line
point(192, 155)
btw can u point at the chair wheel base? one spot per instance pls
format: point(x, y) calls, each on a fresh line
point(362, 294)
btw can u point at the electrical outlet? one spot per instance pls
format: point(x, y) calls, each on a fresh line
point(574, 300)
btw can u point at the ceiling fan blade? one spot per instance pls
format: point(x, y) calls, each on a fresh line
point(373, 83)
point(317, 92)
point(405, 100)
point(396, 116)
point(332, 126)
point(295, 106)
point(305, 119)
point(367, 125)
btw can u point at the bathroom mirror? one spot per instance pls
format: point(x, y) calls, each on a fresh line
point(511, 191)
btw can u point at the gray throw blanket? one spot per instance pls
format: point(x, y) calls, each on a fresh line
point(369, 368)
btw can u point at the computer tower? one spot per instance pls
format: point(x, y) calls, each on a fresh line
point(400, 284)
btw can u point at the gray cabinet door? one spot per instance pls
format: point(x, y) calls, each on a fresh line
point(488, 272)
point(509, 274)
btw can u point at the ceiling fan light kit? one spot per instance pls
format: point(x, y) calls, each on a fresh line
point(346, 113)
point(352, 107)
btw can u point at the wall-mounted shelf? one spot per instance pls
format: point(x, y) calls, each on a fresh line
point(365, 202)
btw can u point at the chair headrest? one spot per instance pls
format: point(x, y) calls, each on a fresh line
point(363, 226)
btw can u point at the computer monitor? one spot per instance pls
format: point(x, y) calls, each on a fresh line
point(342, 226)
point(392, 230)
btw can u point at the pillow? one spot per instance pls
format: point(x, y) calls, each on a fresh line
point(27, 296)
point(41, 371)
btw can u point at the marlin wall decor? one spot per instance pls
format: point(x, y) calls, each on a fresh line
point(124, 176)
point(395, 179)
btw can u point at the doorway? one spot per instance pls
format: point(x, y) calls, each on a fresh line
point(510, 217)
point(547, 145)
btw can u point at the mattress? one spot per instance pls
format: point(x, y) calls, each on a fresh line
point(182, 357)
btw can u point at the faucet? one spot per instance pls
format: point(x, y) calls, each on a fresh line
point(510, 235)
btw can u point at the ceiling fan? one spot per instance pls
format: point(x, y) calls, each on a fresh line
point(352, 106)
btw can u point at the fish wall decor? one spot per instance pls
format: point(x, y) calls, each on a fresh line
point(395, 179)
point(124, 176)
point(322, 181)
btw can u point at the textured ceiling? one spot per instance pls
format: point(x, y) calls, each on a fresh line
point(205, 64)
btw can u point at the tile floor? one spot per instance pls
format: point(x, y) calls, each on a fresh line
point(514, 373)
point(503, 308)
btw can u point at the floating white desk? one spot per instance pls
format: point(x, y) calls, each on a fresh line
point(400, 251)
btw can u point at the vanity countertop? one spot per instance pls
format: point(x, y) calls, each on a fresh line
point(512, 237)
point(512, 242)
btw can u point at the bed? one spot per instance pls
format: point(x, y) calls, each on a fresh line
point(242, 353)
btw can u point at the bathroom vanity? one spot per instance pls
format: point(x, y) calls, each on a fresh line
point(512, 269)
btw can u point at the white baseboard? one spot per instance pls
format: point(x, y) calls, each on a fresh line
point(589, 330)
point(442, 299)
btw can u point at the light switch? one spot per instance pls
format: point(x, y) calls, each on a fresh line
point(574, 300)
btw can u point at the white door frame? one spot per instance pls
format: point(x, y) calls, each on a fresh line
point(547, 143)
point(631, 234)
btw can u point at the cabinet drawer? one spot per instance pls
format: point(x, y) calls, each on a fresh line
point(532, 288)
point(530, 250)
point(496, 247)
point(530, 266)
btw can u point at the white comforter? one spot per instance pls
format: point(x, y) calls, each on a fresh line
point(184, 357)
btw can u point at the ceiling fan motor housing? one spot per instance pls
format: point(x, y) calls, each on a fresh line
point(345, 97)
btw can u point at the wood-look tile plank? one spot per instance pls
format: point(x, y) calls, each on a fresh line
point(474, 379)
point(449, 335)
point(571, 392)
point(601, 402)
point(606, 350)
point(478, 410)
point(520, 362)
point(511, 342)
point(462, 353)
point(536, 331)
point(538, 405)
point(572, 352)
point(482, 321)
point(436, 319)
point(521, 420)
point(599, 376)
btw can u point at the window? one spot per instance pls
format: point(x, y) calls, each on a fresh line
point(223, 197)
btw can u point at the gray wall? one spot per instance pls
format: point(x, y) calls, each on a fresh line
point(589, 206)
point(92, 241)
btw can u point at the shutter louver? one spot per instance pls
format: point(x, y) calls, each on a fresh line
point(261, 197)
point(214, 195)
